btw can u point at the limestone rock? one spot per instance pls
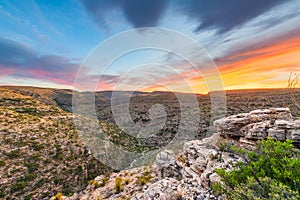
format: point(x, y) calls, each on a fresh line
point(165, 189)
point(259, 124)
point(296, 135)
point(167, 165)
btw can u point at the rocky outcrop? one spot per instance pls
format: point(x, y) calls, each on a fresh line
point(259, 124)
point(191, 174)
point(168, 165)
point(200, 158)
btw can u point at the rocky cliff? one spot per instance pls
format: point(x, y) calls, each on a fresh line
point(191, 174)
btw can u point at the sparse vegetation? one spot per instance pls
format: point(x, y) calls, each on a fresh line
point(32, 135)
point(145, 178)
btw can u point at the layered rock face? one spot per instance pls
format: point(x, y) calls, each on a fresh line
point(191, 174)
point(258, 124)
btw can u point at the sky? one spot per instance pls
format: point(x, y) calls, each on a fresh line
point(251, 44)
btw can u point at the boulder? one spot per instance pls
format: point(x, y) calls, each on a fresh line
point(165, 189)
point(167, 165)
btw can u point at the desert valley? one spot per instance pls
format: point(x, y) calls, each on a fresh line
point(42, 154)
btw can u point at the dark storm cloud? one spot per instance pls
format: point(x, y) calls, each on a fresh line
point(221, 14)
point(19, 60)
point(139, 13)
point(144, 13)
point(225, 14)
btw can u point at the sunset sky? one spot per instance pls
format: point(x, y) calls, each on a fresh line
point(253, 43)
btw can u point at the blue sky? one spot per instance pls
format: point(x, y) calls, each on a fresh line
point(43, 43)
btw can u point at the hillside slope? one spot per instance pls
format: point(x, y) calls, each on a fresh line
point(41, 153)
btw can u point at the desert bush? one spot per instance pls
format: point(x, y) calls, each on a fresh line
point(104, 180)
point(57, 181)
point(94, 183)
point(29, 177)
point(2, 163)
point(127, 181)
point(1, 192)
point(182, 158)
point(144, 179)
point(13, 154)
point(27, 197)
point(271, 170)
point(31, 167)
point(58, 196)
point(118, 185)
point(19, 185)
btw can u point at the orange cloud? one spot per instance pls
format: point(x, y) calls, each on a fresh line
point(266, 67)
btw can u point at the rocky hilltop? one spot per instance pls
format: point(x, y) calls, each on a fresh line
point(191, 174)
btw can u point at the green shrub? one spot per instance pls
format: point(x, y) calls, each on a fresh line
point(2, 163)
point(58, 196)
point(40, 183)
point(127, 181)
point(143, 180)
point(94, 183)
point(27, 197)
point(265, 189)
point(31, 167)
point(19, 185)
point(29, 177)
point(271, 169)
point(104, 180)
point(118, 185)
point(57, 181)
point(37, 147)
point(67, 191)
point(13, 154)
point(1, 192)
